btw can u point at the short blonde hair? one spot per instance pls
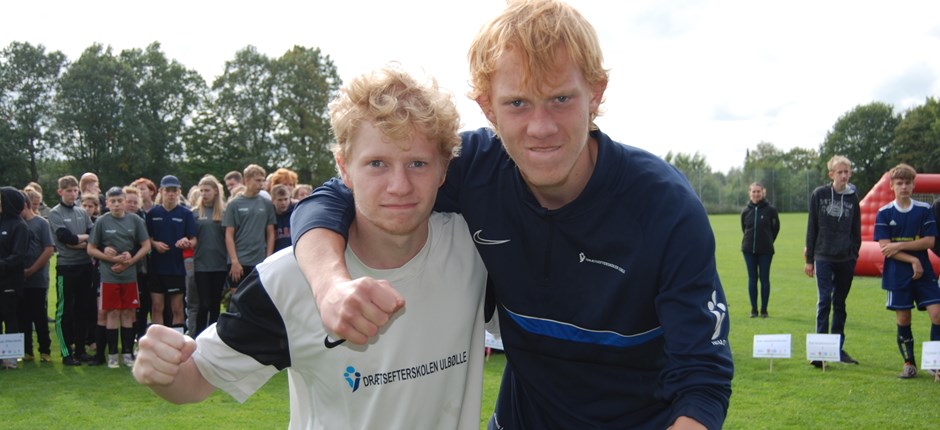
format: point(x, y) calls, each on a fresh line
point(254, 170)
point(397, 105)
point(836, 160)
point(537, 29)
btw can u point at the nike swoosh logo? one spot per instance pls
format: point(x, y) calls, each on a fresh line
point(481, 241)
point(331, 344)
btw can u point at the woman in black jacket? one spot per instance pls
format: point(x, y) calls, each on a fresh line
point(760, 225)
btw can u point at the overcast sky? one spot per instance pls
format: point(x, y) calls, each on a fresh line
point(709, 76)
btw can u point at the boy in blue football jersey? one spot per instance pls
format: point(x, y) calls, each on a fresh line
point(906, 229)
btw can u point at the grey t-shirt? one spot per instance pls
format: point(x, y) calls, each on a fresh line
point(210, 243)
point(250, 216)
point(77, 221)
point(124, 234)
point(40, 238)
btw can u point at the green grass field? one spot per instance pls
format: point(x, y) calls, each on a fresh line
point(794, 395)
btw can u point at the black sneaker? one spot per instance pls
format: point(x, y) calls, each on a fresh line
point(816, 363)
point(763, 314)
point(847, 359)
point(753, 314)
point(71, 361)
point(84, 357)
point(96, 361)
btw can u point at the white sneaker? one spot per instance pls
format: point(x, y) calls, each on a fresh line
point(113, 361)
point(128, 360)
point(909, 371)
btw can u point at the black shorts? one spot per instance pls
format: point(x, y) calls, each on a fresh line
point(166, 284)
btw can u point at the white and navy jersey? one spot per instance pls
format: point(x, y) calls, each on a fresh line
point(423, 371)
point(905, 225)
point(611, 311)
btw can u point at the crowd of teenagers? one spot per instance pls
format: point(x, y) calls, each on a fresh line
point(133, 255)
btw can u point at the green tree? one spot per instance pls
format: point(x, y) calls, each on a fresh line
point(864, 135)
point(161, 98)
point(90, 114)
point(244, 107)
point(917, 138)
point(28, 78)
point(700, 177)
point(205, 145)
point(305, 82)
point(763, 165)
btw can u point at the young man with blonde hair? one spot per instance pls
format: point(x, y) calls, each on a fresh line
point(905, 229)
point(248, 221)
point(610, 306)
point(395, 137)
point(833, 237)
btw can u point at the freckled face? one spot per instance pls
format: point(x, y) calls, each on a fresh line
point(394, 188)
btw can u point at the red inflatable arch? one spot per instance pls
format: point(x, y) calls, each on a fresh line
point(870, 260)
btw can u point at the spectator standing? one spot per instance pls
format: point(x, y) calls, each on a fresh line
point(905, 229)
point(147, 191)
point(285, 177)
point(118, 241)
point(140, 200)
point(210, 257)
point(283, 208)
point(75, 302)
point(249, 227)
point(34, 304)
point(90, 186)
point(760, 225)
point(302, 190)
point(192, 293)
point(232, 180)
point(172, 230)
point(833, 237)
point(14, 244)
point(36, 200)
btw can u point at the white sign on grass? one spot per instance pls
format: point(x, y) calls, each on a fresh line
point(823, 347)
point(491, 341)
point(11, 345)
point(772, 346)
point(930, 356)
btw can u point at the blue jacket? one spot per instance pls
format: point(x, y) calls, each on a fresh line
point(610, 308)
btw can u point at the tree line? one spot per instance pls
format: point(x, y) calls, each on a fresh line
point(873, 136)
point(139, 114)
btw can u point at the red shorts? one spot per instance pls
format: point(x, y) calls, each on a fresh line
point(119, 296)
